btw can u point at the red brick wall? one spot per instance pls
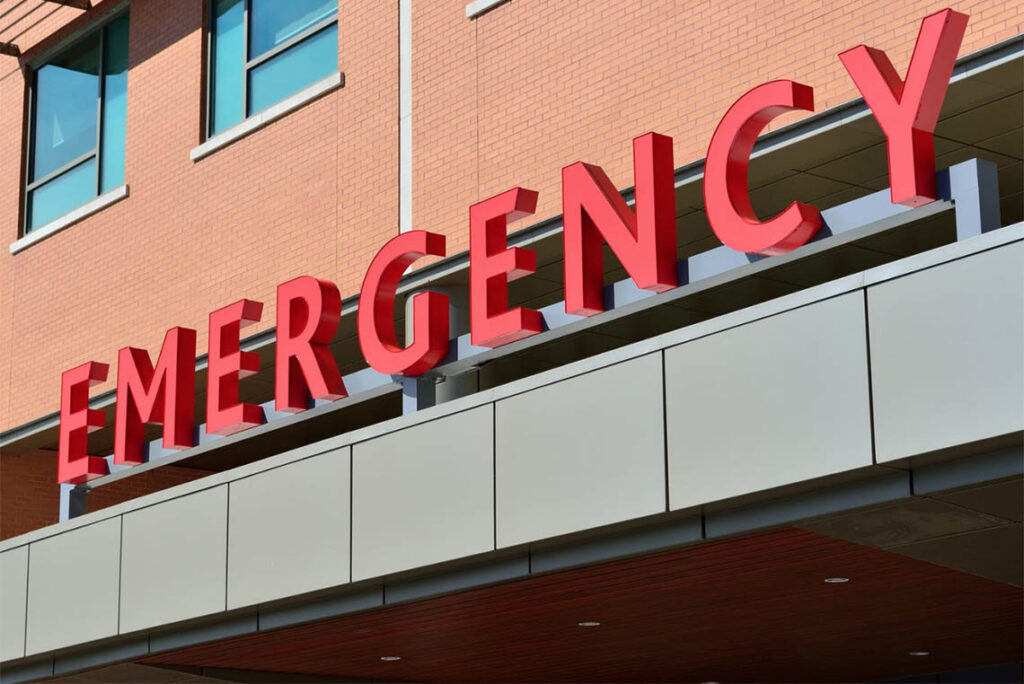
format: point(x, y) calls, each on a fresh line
point(141, 484)
point(30, 496)
point(533, 85)
point(313, 193)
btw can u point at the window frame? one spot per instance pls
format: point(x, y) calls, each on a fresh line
point(248, 64)
point(27, 187)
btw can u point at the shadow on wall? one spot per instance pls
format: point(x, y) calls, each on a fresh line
point(155, 26)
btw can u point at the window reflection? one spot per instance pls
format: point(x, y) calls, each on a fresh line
point(115, 104)
point(67, 92)
point(65, 193)
point(73, 156)
point(241, 84)
point(228, 67)
point(294, 69)
point(274, 22)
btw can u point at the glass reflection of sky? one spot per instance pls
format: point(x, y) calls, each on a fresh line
point(272, 22)
point(289, 72)
point(228, 65)
point(66, 91)
point(64, 193)
point(115, 104)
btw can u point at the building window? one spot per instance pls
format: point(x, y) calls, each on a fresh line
point(262, 51)
point(77, 125)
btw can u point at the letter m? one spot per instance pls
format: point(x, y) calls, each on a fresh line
point(165, 394)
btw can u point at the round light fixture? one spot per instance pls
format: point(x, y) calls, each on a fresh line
point(390, 659)
point(589, 624)
point(836, 580)
point(919, 653)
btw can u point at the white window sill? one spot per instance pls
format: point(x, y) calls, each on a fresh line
point(258, 121)
point(478, 7)
point(59, 224)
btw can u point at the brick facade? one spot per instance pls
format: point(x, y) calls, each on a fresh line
point(504, 100)
point(530, 87)
point(30, 498)
point(29, 495)
point(315, 193)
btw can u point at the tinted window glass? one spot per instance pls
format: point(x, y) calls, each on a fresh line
point(79, 108)
point(228, 64)
point(64, 193)
point(273, 21)
point(285, 74)
point(115, 104)
point(66, 98)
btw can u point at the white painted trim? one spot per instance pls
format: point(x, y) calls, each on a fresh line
point(404, 116)
point(478, 7)
point(59, 224)
point(267, 116)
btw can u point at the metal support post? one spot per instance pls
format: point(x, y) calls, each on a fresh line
point(418, 393)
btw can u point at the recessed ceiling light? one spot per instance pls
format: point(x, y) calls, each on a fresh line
point(390, 659)
point(836, 580)
point(709, 682)
point(919, 653)
point(589, 624)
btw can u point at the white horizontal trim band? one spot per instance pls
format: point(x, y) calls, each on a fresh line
point(478, 7)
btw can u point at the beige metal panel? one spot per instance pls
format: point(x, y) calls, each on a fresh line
point(423, 495)
point(288, 530)
point(73, 587)
point(13, 589)
point(947, 365)
point(173, 560)
point(769, 403)
point(584, 452)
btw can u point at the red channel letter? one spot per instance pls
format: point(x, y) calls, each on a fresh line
point(907, 111)
point(165, 394)
point(376, 315)
point(725, 175)
point(308, 315)
point(77, 420)
point(644, 242)
point(226, 364)
point(492, 265)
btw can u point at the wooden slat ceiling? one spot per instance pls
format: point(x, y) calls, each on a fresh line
point(753, 608)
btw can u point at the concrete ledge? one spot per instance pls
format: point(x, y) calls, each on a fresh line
point(320, 608)
point(267, 116)
point(478, 7)
point(967, 471)
point(101, 654)
point(28, 669)
point(477, 575)
point(59, 224)
point(220, 627)
point(635, 541)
